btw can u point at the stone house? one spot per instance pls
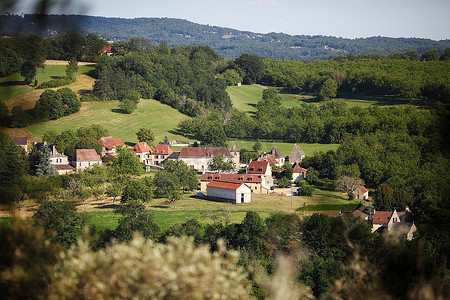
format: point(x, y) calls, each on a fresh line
point(58, 160)
point(143, 151)
point(159, 154)
point(399, 224)
point(361, 193)
point(86, 158)
point(263, 169)
point(275, 158)
point(109, 145)
point(229, 191)
point(296, 155)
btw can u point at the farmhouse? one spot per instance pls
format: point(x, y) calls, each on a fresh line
point(261, 168)
point(255, 182)
point(361, 193)
point(86, 158)
point(400, 224)
point(21, 141)
point(298, 173)
point(58, 160)
point(199, 158)
point(143, 151)
point(109, 145)
point(229, 191)
point(296, 155)
point(160, 154)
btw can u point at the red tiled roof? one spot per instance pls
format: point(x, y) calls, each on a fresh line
point(269, 158)
point(106, 49)
point(162, 149)
point(204, 152)
point(363, 189)
point(20, 140)
point(298, 169)
point(381, 217)
point(223, 184)
point(109, 142)
point(360, 214)
point(231, 177)
point(257, 167)
point(276, 152)
point(87, 155)
point(141, 147)
point(64, 167)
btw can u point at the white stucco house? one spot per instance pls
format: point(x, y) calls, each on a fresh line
point(229, 191)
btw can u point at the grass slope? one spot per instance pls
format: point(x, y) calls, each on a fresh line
point(245, 97)
point(161, 118)
point(285, 148)
point(13, 86)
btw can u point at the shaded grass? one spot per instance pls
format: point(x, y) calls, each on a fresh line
point(13, 86)
point(161, 118)
point(285, 148)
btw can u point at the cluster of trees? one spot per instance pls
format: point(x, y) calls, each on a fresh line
point(405, 78)
point(328, 122)
point(335, 264)
point(182, 77)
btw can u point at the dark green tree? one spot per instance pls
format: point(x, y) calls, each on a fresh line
point(61, 217)
point(145, 135)
point(213, 134)
point(138, 190)
point(253, 66)
point(135, 219)
point(70, 101)
point(13, 161)
point(168, 186)
point(127, 163)
point(40, 163)
point(89, 143)
point(28, 72)
point(328, 90)
point(72, 68)
point(430, 55)
point(252, 233)
point(19, 118)
point(49, 105)
point(218, 163)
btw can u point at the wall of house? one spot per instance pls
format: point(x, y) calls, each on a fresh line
point(255, 187)
point(59, 160)
point(215, 192)
point(80, 165)
point(243, 190)
point(200, 164)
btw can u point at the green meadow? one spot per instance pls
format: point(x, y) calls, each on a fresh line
point(161, 118)
point(13, 86)
point(285, 148)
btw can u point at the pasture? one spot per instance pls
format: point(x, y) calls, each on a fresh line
point(13, 86)
point(285, 148)
point(161, 118)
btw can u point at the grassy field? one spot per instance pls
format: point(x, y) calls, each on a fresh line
point(245, 97)
point(13, 86)
point(161, 118)
point(205, 211)
point(285, 148)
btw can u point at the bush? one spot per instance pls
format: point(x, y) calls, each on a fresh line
point(56, 83)
point(305, 189)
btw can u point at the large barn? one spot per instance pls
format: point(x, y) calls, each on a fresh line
point(229, 191)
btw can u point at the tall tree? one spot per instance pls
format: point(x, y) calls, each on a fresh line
point(219, 163)
point(127, 163)
point(72, 68)
point(145, 135)
point(28, 71)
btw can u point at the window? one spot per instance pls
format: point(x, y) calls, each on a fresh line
point(251, 169)
point(242, 197)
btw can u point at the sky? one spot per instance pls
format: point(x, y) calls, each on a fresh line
point(340, 18)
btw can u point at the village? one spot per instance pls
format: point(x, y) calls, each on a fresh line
point(236, 185)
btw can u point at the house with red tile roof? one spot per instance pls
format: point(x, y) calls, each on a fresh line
point(86, 158)
point(199, 158)
point(298, 173)
point(275, 158)
point(263, 169)
point(361, 193)
point(229, 191)
point(399, 224)
point(253, 181)
point(160, 153)
point(143, 151)
point(109, 145)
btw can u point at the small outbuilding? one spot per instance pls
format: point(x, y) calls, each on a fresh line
point(229, 191)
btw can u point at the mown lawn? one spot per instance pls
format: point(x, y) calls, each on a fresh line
point(161, 118)
point(285, 148)
point(13, 86)
point(245, 97)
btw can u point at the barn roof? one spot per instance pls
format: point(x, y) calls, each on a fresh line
point(247, 178)
point(224, 184)
point(87, 155)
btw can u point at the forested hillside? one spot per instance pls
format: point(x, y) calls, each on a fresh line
point(229, 43)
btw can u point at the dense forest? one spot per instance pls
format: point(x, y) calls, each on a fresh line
point(229, 43)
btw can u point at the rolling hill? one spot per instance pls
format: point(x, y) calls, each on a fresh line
point(228, 42)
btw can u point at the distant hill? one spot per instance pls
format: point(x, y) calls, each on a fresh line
point(229, 43)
